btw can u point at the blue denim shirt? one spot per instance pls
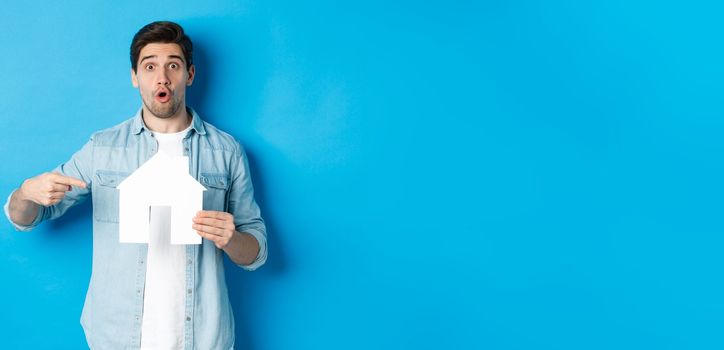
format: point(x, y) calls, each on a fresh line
point(113, 307)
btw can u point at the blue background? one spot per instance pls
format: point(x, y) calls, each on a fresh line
point(468, 175)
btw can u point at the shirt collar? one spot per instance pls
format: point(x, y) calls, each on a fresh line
point(196, 123)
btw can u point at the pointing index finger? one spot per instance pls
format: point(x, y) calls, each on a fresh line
point(70, 181)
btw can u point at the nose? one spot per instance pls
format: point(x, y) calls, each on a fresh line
point(163, 78)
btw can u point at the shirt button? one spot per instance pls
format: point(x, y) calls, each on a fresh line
point(189, 291)
point(138, 291)
point(188, 318)
point(189, 262)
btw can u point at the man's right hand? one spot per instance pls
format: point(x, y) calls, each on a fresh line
point(48, 189)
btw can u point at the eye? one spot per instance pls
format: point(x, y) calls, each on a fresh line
point(173, 66)
point(149, 67)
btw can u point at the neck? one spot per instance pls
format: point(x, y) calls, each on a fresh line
point(176, 123)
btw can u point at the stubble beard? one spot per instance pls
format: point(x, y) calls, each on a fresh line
point(163, 111)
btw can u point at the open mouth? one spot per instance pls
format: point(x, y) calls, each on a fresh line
point(163, 96)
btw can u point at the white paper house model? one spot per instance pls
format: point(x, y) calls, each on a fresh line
point(162, 180)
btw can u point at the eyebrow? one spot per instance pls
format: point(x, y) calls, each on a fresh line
point(170, 56)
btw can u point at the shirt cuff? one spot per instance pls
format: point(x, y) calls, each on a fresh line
point(23, 228)
point(261, 257)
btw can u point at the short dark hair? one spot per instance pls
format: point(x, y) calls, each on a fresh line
point(161, 32)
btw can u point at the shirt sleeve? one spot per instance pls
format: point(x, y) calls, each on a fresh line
point(78, 166)
point(23, 228)
point(247, 216)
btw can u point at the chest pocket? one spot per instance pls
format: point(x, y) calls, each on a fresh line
point(105, 195)
point(217, 187)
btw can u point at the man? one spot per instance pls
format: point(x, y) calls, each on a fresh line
point(156, 295)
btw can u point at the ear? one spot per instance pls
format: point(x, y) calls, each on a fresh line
point(192, 74)
point(134, 79)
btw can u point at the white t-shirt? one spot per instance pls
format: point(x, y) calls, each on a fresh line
point(164, 299)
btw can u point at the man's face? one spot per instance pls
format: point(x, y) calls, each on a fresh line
point(161, 78)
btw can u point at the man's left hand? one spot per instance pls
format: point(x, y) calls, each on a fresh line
point(216, 226)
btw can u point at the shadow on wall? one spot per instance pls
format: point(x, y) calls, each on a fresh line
point(196, 93)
